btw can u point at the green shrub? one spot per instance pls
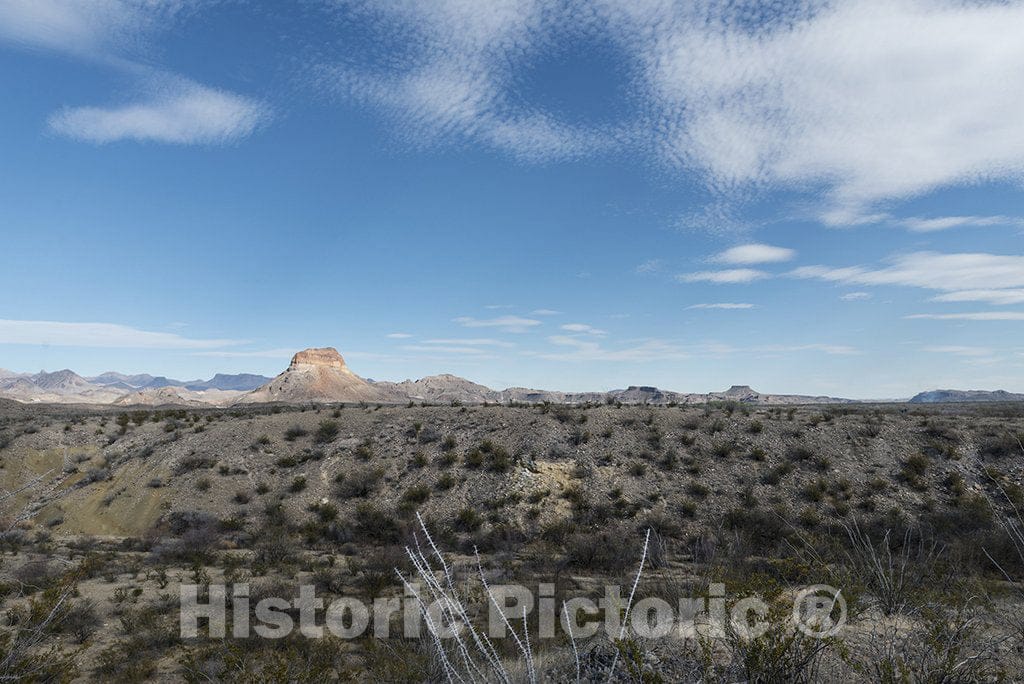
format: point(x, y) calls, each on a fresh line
point(360, 483)
point(326, 431)
point(468, 520)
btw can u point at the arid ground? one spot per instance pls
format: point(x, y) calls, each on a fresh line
point(910, 511)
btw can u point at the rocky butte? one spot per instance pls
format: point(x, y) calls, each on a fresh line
point(317, 374)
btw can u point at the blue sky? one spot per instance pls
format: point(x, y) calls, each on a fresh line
point(566, 195)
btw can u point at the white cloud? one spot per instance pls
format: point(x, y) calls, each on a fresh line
point(512, 324)
point(588, 350)
point(997, 297)
point(82, 27)
point(398, 336)
point(855, 296)
point(471, 341)
point(754, 254)
point(929, 225)
point(871, 100)
point(172, 109)
point(959, 350)
point(982, 316)
point(583, 328)
point(443, 349)
point(545, 312)
point(859, 102)
point(722, 305)
point(930, 270)
point(650, 266)
point(733, 275)
point(62, 334)
point(456, 78)
point(177, 111)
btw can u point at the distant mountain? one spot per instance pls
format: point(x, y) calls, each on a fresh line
point(242, 382)
point(113, 378)
point(321, 375)
point(952, 396)
point(178, 396)
point(160, 381)
point(318, 375)
point(62, 381)
point(62, 386)
point(444, 388)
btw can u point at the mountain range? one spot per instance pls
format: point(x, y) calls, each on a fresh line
point(320, 375)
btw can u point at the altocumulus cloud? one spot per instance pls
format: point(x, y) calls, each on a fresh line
point(744, 107)
point(179, 111)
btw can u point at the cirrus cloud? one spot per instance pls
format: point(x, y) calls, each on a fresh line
point(512, 324)
point(110, 335)
point(727, 276)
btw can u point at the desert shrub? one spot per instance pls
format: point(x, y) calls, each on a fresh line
point(95, 475)
point(611, 551)
point(364, 451)
point(412, 497)
point(429, 435)
point(359, 483)
point(80, 621)
point(326, 431)
point(800, 452)
point(578, 436)
point(467, 520)
point(325, 512)
point(298, 484)
point(473, 459)
point(697, 489)
point(762, 529)
point(241, 497)
point(274, 547)
point(815, 491)
point(1002, 445)
point(446, 481)
point(715, 426)
point(913, 470)
point(148, 632)
point(373, 524)
point(971, 513)
point(723, 449)
point(669, 459)
point(195, 463)
point(294, 432)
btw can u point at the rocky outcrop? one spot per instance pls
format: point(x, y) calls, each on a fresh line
point(178, 396)
point(318, 375)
